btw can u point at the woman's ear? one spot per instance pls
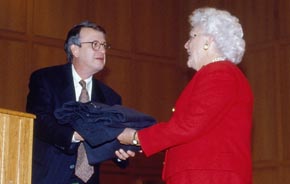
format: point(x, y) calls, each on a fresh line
point(208, 42)
point(75, 50)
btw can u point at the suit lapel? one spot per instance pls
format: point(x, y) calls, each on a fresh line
point(97, 93)
point(67, 85)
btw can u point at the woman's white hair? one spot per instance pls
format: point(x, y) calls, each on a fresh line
point(224, 28)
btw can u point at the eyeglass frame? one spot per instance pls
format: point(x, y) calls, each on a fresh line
point(105, 45)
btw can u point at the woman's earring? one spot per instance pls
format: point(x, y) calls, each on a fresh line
point(205, 47)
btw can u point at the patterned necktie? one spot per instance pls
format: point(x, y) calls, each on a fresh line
point(84, 96)
point(83, 170)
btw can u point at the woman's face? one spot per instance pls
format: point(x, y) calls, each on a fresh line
point(195, 48)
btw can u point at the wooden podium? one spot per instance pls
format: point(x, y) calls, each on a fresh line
point(16, 135)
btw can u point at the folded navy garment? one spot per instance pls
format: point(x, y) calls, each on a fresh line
point(100, 124)
point(107, 151)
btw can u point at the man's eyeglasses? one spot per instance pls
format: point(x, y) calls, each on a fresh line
point(96, 45)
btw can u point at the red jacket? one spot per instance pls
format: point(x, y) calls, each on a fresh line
point(210, 129)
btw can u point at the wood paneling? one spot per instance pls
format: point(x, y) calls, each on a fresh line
point(13, 15)
point(13, 78)
point(266, 176)
point(257, 18)
point(45, 55)
point(134, 26)
point(116, 17)
point(194, 4)
point(54, 18)
point(259, 65)
point(156, 27)
point(285, 99)
point(285, 178)
point(120, 73)
point(283, 19)
point(158, 88)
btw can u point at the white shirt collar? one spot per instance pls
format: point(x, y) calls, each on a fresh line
point(77, 86)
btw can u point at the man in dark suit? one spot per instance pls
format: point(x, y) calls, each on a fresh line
point(55, 146)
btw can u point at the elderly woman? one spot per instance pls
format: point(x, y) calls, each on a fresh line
point(208, 138)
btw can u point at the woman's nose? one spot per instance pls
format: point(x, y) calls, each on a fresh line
point(186, 44)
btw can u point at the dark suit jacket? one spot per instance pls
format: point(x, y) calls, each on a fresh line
point(54, 155)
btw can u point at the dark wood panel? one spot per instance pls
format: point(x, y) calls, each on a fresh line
point(54, 18)
point(261, 70)
point(285, 98)
point(194, 4)
point(266, 176)
point(285, 175)
point(116, 17)
point(158, 87)
point(284, 19)
point(13, 15)
point(156, 27)
point(258, 19)
point(13, 59)
point(119, 73)
point(44, 56)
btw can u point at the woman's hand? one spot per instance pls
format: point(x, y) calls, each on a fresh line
point(126, 137)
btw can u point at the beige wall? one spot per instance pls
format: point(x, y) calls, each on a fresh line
point(147, 64)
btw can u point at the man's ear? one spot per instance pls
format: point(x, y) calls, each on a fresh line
point(75, 50)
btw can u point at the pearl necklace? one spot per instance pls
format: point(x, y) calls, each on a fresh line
point(218, 59)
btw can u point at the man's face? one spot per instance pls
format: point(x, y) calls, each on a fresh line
point(91, 60)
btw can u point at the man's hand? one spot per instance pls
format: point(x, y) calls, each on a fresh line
point(122, 155)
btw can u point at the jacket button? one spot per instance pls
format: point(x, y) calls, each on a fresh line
point(72, 166)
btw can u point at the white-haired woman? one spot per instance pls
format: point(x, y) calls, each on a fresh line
point(208, 138)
